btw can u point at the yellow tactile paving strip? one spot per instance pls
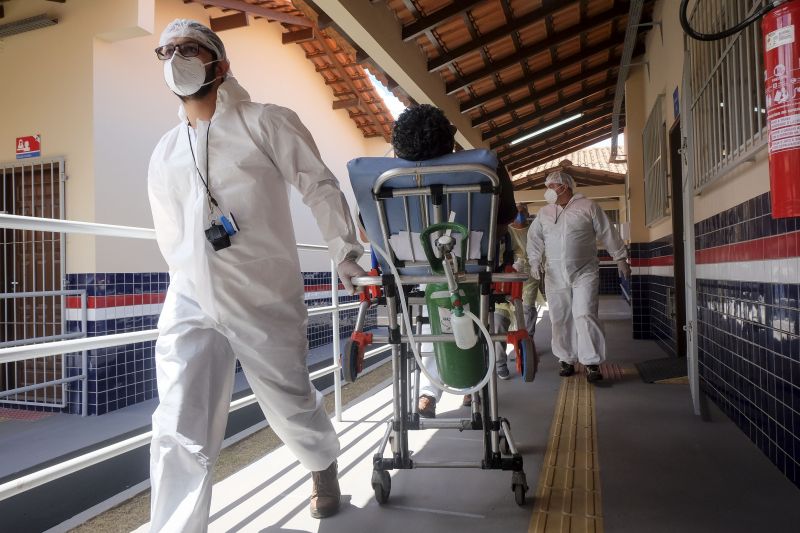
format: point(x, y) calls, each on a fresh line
point(567, 498)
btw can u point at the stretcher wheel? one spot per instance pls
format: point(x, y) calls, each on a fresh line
point(350, 361)
point(530, 359)
point(519, 494)
point(382, 485)
point(520, 486)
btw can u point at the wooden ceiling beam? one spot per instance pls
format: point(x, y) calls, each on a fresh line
point(343, 74)
point(468, 105)
point(564, 142)
point(271, 14)
point(503, 31)
point(229, 22)
point(429, 22)
point(342, 104)
point(564, 148)
point(298, 36)
point(564, 129)
point(616, 39)
point(526, 121)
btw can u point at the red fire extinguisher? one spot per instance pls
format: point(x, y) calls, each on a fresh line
point(781, 30)
point(780, 26)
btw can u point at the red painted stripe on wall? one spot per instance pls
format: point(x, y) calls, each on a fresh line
point(774, 247)
point(116, 300)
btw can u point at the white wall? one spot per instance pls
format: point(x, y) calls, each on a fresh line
point(46, 88)
point(665, 60)
point(125, 134)
point(92, 87)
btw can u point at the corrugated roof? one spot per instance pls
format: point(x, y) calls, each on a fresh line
point(589, 166)
point(590, 158)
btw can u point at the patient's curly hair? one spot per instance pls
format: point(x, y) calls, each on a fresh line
point(422, 132)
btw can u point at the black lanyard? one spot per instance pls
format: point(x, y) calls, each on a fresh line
point(211, 200)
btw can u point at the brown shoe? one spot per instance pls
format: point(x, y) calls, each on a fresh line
point(325, 492)
point(467, 401)
point(426, 406)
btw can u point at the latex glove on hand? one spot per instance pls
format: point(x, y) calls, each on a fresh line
point(519, 265)
point(347, 270)
point(536, 273)
point(624, 269)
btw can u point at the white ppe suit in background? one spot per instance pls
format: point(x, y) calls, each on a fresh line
point(567, 237)
point(244, 302)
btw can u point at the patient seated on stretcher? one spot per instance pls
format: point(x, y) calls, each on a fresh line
point(420, 133)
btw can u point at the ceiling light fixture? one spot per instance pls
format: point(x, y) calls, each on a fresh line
point(546, 128)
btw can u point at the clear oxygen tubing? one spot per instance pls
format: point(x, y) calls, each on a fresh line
point(435, 381)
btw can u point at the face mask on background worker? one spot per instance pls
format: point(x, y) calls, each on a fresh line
point(551, 195)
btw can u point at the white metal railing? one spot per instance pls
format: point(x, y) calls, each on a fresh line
point(727, 83)
point(56, 359)
point(20, 353)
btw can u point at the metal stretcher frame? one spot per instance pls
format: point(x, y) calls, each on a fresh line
point(435, 198)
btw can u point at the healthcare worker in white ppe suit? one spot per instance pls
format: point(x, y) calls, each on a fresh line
point(219, 192)
point(567, 231)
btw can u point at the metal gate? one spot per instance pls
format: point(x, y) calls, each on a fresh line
point(33, 272)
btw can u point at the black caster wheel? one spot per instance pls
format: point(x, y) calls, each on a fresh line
point(530, 360)
point(519, 494)
point(520, 486)
point(382, 485)
point(350, 361)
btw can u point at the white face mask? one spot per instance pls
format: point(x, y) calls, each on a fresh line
point(185, 75)
point(551, 196)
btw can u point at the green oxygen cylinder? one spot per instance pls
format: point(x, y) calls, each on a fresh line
point(458, 368)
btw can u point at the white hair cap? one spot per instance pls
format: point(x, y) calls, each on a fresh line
point(560, 177)
point(192, 29)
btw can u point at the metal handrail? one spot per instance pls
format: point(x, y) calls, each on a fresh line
point(70, 226)
point(51, 473)
point(18, 353)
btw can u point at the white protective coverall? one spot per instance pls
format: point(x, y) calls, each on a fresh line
point(568, 237)
point(244, 302)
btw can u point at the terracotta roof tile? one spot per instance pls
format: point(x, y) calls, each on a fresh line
point(591, 158)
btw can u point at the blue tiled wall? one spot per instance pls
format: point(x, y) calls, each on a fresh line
point(609, 276)
point(748, 333)
point(121, 375)
point(651, 319)
point(749, 339)
point(125, 375)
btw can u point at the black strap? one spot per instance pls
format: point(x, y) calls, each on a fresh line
point(205, 180)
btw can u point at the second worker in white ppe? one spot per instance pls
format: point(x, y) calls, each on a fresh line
point(219, 186)
point(567, 232)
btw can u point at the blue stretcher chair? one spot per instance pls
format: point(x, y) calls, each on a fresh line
point(397, 201)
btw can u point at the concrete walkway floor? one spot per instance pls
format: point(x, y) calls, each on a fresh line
point(652, 465)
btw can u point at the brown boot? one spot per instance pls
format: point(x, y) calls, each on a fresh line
point(325, 492)
point(426, 406)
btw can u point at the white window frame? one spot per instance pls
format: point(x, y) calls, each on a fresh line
point(727, 83)
point(656, 192)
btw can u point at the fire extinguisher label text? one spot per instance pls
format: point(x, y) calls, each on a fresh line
point(780, 37)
